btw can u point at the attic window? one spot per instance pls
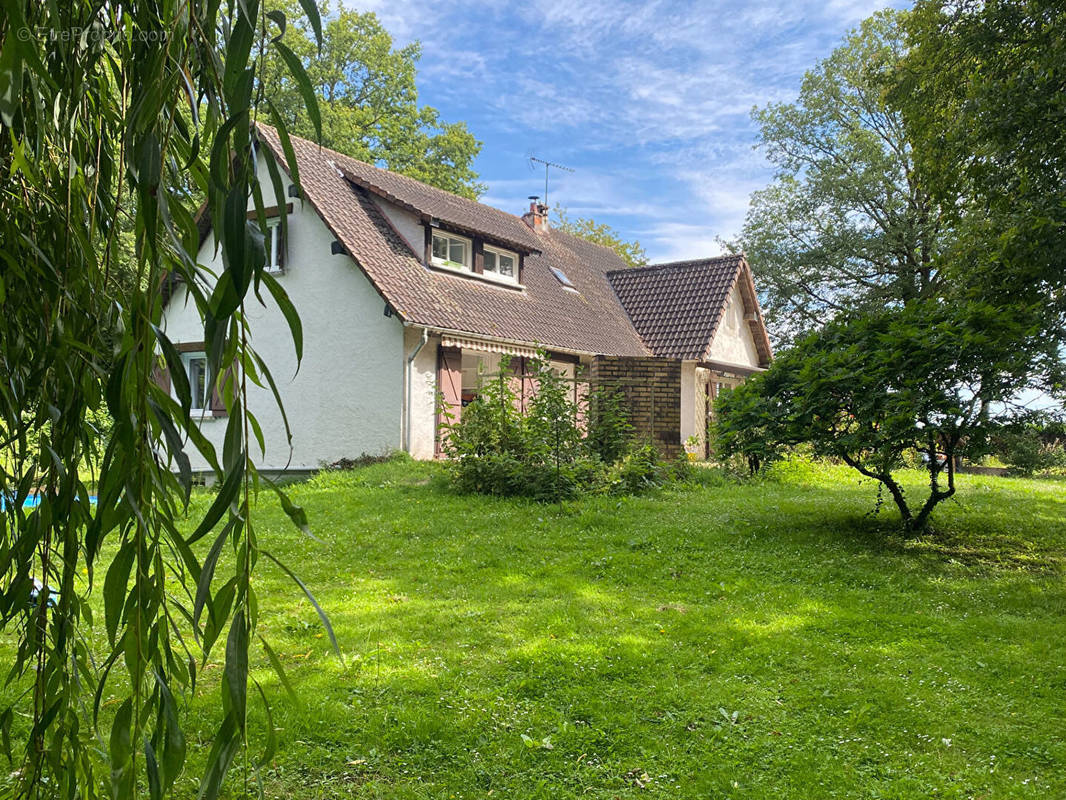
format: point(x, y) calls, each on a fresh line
point(450, 250)
point(565, 281)
point(500, 263)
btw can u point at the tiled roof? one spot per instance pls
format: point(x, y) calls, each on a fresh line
point(676, 307)
point(432, 203)
point(590, 320)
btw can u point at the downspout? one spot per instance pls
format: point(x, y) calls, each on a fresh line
point(407, 410)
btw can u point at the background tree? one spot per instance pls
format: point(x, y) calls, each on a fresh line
point(369, 100)
point(109, 114)
point(983, 93)
point(847, 223)
point(603, 234)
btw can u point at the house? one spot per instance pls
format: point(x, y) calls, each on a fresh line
point(408, 293)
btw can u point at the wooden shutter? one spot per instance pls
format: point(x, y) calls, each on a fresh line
point(282, 252)
point(218, 404)
point(450, 392)
point(161, 377)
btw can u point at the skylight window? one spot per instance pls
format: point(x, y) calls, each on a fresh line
point(565, 281)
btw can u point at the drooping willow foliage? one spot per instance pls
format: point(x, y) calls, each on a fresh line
point(117, 118)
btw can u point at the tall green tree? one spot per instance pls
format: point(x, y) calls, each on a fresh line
point(109, 113)
point(602, 234)
point(983, 93)
point(847, 223)
point(369, 100)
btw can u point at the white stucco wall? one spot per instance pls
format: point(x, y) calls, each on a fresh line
point(733, 343)
point(688, 402)
point(406, 224)
point(423, 392)
point(346, 399)
point(694, 407)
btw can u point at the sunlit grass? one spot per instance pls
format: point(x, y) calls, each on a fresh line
point(759, 640)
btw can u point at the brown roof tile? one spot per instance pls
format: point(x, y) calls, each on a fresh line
point(589, 320)
point(676, 307)
point(432, 203)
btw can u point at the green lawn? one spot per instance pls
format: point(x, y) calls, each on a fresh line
point(760, 640)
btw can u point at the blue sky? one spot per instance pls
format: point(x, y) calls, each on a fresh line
point(648, 101)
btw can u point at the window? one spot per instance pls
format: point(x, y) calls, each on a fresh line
point(561, 276)
point(273, 245)
point(451, 251)
point(196, 370)
point(501, 262)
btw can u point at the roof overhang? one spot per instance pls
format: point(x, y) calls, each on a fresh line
point(733, 369)
point(745, 282)
point(492, 344)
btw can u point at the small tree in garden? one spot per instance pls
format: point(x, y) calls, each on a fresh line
point(867, 389)
point(1031, 444)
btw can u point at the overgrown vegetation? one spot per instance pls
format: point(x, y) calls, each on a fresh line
point(1031, 445)
point(543, 452)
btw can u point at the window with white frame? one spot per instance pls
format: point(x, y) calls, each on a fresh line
point(450, 250)
point(195, 364)
point(501, 263)
point(273, 245)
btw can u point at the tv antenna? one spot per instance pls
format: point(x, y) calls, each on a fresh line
point(547, 166)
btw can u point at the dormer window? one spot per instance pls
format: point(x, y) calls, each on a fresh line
point(501, 263)
point(450, 250)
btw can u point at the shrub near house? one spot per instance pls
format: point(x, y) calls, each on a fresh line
point(545, 453)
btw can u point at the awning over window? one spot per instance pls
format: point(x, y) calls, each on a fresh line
point(487, 347)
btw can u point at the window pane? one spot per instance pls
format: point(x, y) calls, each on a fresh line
point(457, 251)
point(507, 266)
point(440, 247)
point(197, 369)
point(490, 261)
point(272, 246)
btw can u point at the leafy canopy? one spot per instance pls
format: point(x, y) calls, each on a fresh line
point(983, 92)
point(602, 234)
point(847, 224)
point(870, 388)
point(368, 98)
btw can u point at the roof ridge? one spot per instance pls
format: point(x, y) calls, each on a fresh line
point(691, 262)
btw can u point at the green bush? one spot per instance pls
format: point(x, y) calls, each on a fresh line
point(544, 454)
point(1026, 451)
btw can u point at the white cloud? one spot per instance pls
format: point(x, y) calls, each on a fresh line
point(649, 101)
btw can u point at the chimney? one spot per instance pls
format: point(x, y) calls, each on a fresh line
point(537, 216)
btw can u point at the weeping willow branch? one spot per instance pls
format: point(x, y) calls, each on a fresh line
point(118, 118)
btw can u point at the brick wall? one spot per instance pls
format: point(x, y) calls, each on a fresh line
point(652, 388)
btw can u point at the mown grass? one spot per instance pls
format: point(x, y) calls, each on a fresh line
point(750, 640)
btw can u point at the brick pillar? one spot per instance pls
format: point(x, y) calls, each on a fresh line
point(449, 392)
point(652, 389)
